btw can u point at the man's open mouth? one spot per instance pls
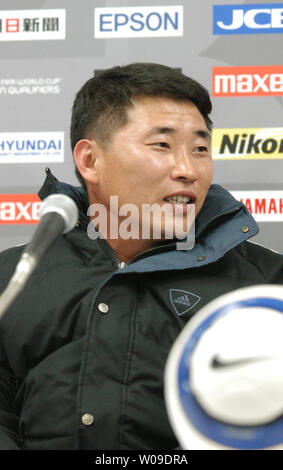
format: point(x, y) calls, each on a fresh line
point(178, 199)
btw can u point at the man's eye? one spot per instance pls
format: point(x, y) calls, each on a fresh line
point(202, 149)
point(162, 144)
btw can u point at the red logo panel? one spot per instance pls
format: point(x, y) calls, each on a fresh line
point(19, 209)
point(261, 80)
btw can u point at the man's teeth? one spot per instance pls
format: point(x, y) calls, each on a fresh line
point(178, 199)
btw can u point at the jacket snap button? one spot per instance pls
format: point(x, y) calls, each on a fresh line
point(245, 229)
point(87, 419)
point(103, 308)
point(201, 258)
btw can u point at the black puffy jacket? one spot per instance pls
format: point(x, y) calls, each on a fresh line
point(83, 347)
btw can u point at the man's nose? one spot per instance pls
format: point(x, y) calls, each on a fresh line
point(185, 167)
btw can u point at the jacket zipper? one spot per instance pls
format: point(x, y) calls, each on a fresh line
point(218, 217)
point(122, 264)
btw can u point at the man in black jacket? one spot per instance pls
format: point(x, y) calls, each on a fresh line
point(83, 347)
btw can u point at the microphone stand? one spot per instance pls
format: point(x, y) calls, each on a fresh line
point(16, 284)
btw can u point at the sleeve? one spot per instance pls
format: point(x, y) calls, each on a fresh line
point(9, 439)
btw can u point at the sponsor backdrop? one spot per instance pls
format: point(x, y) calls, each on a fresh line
point(50, 48)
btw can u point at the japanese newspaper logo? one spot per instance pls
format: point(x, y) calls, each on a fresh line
point(21, 25)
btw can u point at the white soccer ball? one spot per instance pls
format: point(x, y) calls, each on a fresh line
point(224, 374)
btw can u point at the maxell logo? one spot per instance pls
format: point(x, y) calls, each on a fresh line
point(259, 143)
point(22, 25)
point(134, 22)
point(265, 206)
point(264, 18)
point(31, 147)
point(248, 81)
point(19, 208)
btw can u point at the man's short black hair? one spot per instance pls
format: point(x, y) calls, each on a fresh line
point(101, 105)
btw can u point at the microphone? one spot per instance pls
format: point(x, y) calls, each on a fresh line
point(58, 214)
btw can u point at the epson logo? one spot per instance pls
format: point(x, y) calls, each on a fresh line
point(130, 22)
point(262, 18)
point(31, 147)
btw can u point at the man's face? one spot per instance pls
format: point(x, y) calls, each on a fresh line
point(163, 151)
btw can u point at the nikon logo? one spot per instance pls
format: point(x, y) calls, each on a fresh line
point(264, 143)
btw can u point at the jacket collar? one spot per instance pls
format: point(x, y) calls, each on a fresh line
point(52, 185)
point(222, 224)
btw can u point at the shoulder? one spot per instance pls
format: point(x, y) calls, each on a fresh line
point(251, 248)
point(60, 253)
point(266, 260)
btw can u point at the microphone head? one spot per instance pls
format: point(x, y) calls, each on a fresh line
point(63, 205)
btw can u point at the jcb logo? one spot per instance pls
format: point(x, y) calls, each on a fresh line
point(264, 18)
point(19, 208)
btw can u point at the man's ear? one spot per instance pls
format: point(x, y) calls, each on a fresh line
point(85, 155)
